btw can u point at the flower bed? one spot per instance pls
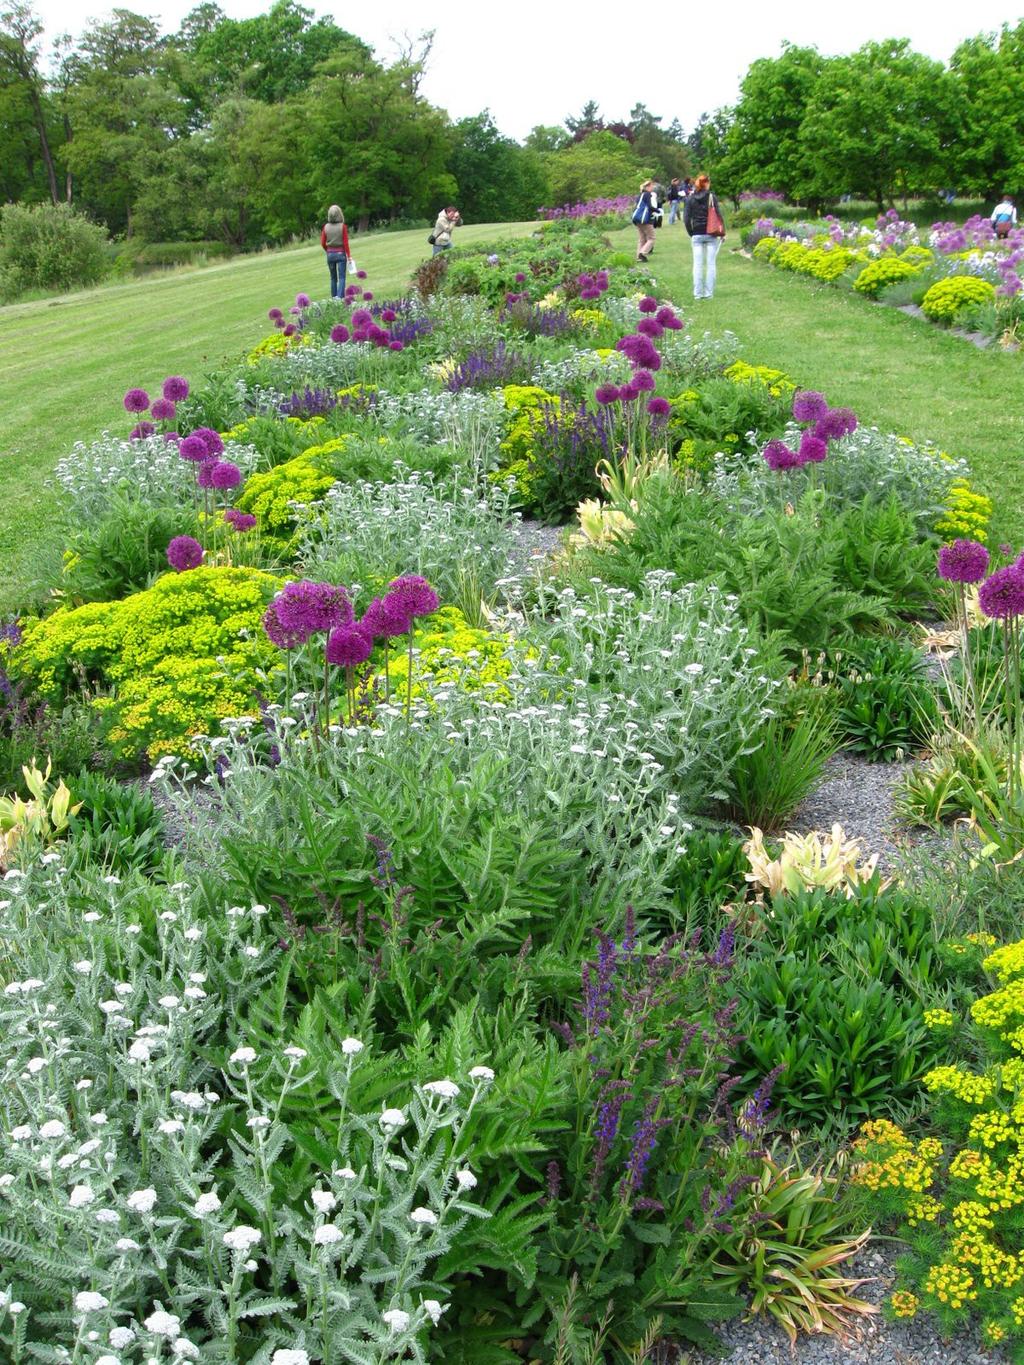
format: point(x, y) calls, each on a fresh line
point(458, 1020)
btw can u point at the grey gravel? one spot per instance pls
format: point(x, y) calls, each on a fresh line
point(535, 543)
point(912, 1341)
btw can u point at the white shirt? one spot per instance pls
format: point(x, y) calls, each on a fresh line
point(1005, 207)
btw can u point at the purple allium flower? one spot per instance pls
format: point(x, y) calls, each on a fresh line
point(173, 436)
point(136, 400)
point(275, 315)
point(163, 410)
point(140, 432)
point(348, 646)
point(290, 330)
point(279, 323)
point(204, 474)
point(241, 521)
point(396, 346)
point(278, 634)
point(212, 440)
point(672, 324)
point(175, 389)
point(520, 277)
point(352, 291)
point(591, 292)
point(835, 424)
point(777, 455)
point(808, 405)
point(224, 474)
point(367, 295)
point(1002, 593)
point(413, 595)
point(606, 393)
point(659, 407)
point(308, 607)
point(362, 317)
point(812, 448)
point(360, 274)
point(650, 327)
point(302, 300)
point(644, 381)
point(630, 392)
point(194, 448)
point(339, 333)
point(388, 315)
point(372, 622)
point(666, 316)
point(295, 311)
point(648, 305)
point(184, 552)
point(965, 561)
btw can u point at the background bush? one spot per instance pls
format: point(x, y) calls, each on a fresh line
point(49, 246)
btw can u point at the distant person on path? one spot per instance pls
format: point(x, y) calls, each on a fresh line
point(676, 196)
point(1004, 216)
point(704, 222)
point(334, 240)
point(447, 219)
point(687, 187)
point(643, 220)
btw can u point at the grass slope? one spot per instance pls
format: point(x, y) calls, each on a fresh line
point(66, 362)
point(896, 372)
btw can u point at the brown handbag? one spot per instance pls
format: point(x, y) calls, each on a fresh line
point(716, 228)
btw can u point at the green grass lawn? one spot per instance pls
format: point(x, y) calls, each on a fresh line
point(896, 372)
point(65, 363)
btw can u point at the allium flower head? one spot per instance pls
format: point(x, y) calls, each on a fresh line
point(309, 607)
point(630, 392)
point(193, 448)
point(396, 345)
point(184, 552)
point(278, 635)
point(413, 595)
point(175, 388)
point(650, 327)
point(666, 315)
point(204, 474)
point(812, 448)
point(241, 521)
point(211, 439)
point(388, 315)
point(290, 330)
point(965, 561)
point(1002, 593)
point(659, 407)
point(360, 274)
point(142, 431)
point(302, 300)
point(644, 381)
point(777, 455)
point(224, 474)
point(348, 646)
point(339, 333)
point(606, 393)
point(275, 314)
point(163, 410)
point(362, 317)
point(835, 423)
point(647, 304)
point(808, 405)
point(136, 400)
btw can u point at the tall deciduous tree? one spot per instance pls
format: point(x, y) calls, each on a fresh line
point(498, 181)
point(601, 165)
point(19, 72)
point(988, 75)
point(763, 143)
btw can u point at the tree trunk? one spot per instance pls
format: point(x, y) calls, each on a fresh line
point(44, 141)
point(68, 182)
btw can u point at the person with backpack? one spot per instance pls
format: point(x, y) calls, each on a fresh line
point(703, 220)
point(334, 240)
point(643, 219)
point(1004, 216)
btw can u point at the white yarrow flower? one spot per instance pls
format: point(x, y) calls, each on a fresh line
point(142, 1201)
point(323, 1201)
point(127, 1244)
point(466, 1179)
point(242, 1238)
point(423, 1217)
point(433, 1309)
point(83, 967)
point(89, 1302)
point(392, 1118)
point(243, 1055)
point(327, 1234)
point(351, 1046)
point(206, 1203)
point(163, 1324)
point(286, 1355)
point(53, 1128)
point(396, 1319)
point(481, 1073)
point(447, 1090)
point(120, 1337)
point(81, 1196)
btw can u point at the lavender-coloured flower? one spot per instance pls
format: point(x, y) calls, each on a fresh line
point(1002, 593)
point(348, 646)
point(136, 400)
point(777, 455)
point(812, 448)
point(808, 405)
point(163, 410)
point(835, 423)
point(224, 474)
point(184, 552)
point(310, 607)
point(413, 595)
point(175, 388)
point(241, 521)
point(965, 561)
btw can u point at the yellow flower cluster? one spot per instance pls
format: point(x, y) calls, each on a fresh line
point(893, 1161)
point(1002, 1009)
point(1006, 962)
point(936, 1019)
point(967, 514)
point(884, 271)
point(996, 1268)
point(588, 319)
point(778, 384)
point(993, 1332)
point(274, 344)
point(269, 495)
point(950, 1284)
point(946, 298)
point(965, 1085)
point(904, 1304)
point(821, 262)
point(453, 653)
point(923, 1210)
point(526, 404)
point(1000, 1186)
point(992, 1128)
point(970, 1216)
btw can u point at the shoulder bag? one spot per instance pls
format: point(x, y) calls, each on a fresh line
point(716, 228)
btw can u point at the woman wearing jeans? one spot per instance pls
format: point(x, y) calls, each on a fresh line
point(705, 244)
point(334, 240)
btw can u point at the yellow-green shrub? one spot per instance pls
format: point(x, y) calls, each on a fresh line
point(179, 657)
point(778, 384)
point(790, 255)
point(946, 298)
point(526, 403)
point(917, 255)
point(967, 514)
point(269, 495)
point(886, 270)
point(766, 248)
point(452, 653)
point(826, 263)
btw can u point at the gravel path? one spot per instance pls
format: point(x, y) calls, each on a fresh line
point(534, 542)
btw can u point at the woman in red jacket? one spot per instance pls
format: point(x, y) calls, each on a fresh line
point(334, 240)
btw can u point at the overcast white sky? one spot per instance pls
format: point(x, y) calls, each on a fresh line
point(535, 61)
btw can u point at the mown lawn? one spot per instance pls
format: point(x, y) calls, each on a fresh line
point(66, 362)
point(896, 372)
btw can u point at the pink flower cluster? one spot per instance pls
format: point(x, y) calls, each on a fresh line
point(821, 425)
point(162, 409)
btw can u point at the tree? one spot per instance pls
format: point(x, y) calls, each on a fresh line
point(545, 138)
point(987, 74)
point(878, 122)
point(498, 181)
point(19, 68)
point(601, 165)
point(764, 149)
point(707, 142)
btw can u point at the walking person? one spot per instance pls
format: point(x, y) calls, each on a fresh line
point(643, 220)
point(676, 197)
point(447, 219)
point(334, 240)
point(704, 222)
point(1004, 216)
